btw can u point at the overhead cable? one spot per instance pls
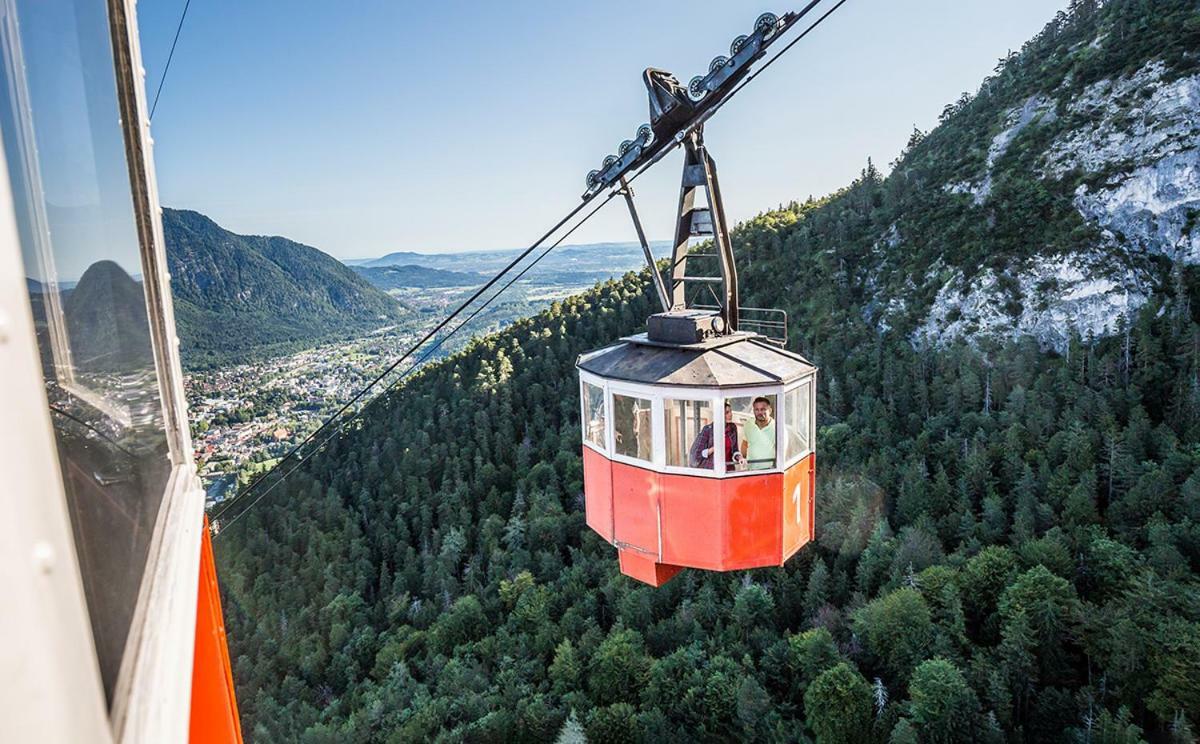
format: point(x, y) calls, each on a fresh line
point(170, 56)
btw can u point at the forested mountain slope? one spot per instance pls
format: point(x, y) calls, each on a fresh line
point(241, 296)
point(1008, 535)
point(1056, 200)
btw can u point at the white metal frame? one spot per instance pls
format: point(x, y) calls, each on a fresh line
point(153, 697)
point(52, 688)
point(658, 394)
point(583, 420)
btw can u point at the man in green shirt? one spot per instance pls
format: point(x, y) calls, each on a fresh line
point(759, 445)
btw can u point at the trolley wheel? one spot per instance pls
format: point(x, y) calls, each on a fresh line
point(766, 24)
point(696, 88)
point(593, 179)
point(717, 63)
point(608, 161)
point(645, 134)
point(737, 45)
point(625, 147)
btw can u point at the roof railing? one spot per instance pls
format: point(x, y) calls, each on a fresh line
point(770, 323)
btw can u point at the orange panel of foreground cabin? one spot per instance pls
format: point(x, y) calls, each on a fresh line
point(214, 714)
point(597, 492)
point(635, 507)
point(691, 510)
point(799, 488)
point(750, 522)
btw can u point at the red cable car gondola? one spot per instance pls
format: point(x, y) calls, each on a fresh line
point(666, 502)
point(698, 435)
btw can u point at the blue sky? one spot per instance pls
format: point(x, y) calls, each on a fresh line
point(370, 126)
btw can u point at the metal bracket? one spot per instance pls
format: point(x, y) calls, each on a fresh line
point(700, 172)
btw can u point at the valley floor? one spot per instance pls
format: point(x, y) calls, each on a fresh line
point(244, 416)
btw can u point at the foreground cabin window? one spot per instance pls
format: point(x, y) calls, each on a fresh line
point(686, 420)
point(798, 426)
point(74, 208)
point(754, 416)
point(632, 430)
point(594, 430)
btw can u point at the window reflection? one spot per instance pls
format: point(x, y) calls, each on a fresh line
point(632, 428)
point(594, 430)
point(798, 426)
point(71, 189)
point(686, 421)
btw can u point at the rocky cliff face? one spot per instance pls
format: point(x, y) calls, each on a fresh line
point(1132, 145)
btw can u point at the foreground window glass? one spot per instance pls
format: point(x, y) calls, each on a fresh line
point(632, 427)
point(594, 430)
point(798, 427)
point(754, 416)
point(685, 421)
point(71, 188)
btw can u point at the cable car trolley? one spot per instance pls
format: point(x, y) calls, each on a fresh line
point(698, 435)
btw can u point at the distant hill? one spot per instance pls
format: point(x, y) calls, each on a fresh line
point(595, 257)
point(397, 277)
point(239, 297)
point(572, 265)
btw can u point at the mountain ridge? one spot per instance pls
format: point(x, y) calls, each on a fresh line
point(239, 297)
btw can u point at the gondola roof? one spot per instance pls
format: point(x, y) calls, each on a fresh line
point(741, 360)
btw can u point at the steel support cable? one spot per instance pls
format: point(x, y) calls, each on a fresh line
point(491, 282)
point(413, 367)
point(170, 56)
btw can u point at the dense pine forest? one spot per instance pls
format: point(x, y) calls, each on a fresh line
point(1008, 538)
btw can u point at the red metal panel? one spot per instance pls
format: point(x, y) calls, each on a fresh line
point(214, 714)
point(597, 492)
point(635, 508)
point(645, 569)
point(751, 521)
point(691, 513)
point(797, 502)
point(726, 524)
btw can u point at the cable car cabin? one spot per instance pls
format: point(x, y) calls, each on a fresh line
point(112, 629)
point(661, 483)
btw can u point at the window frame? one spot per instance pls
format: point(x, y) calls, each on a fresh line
point(658, 450)
point(811, 381)
point(753, 392)
point(152, 693)
point(152, 698)
point(713, 398)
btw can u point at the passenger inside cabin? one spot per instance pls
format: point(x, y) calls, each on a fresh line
point(759, 446)
point(702, 449)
